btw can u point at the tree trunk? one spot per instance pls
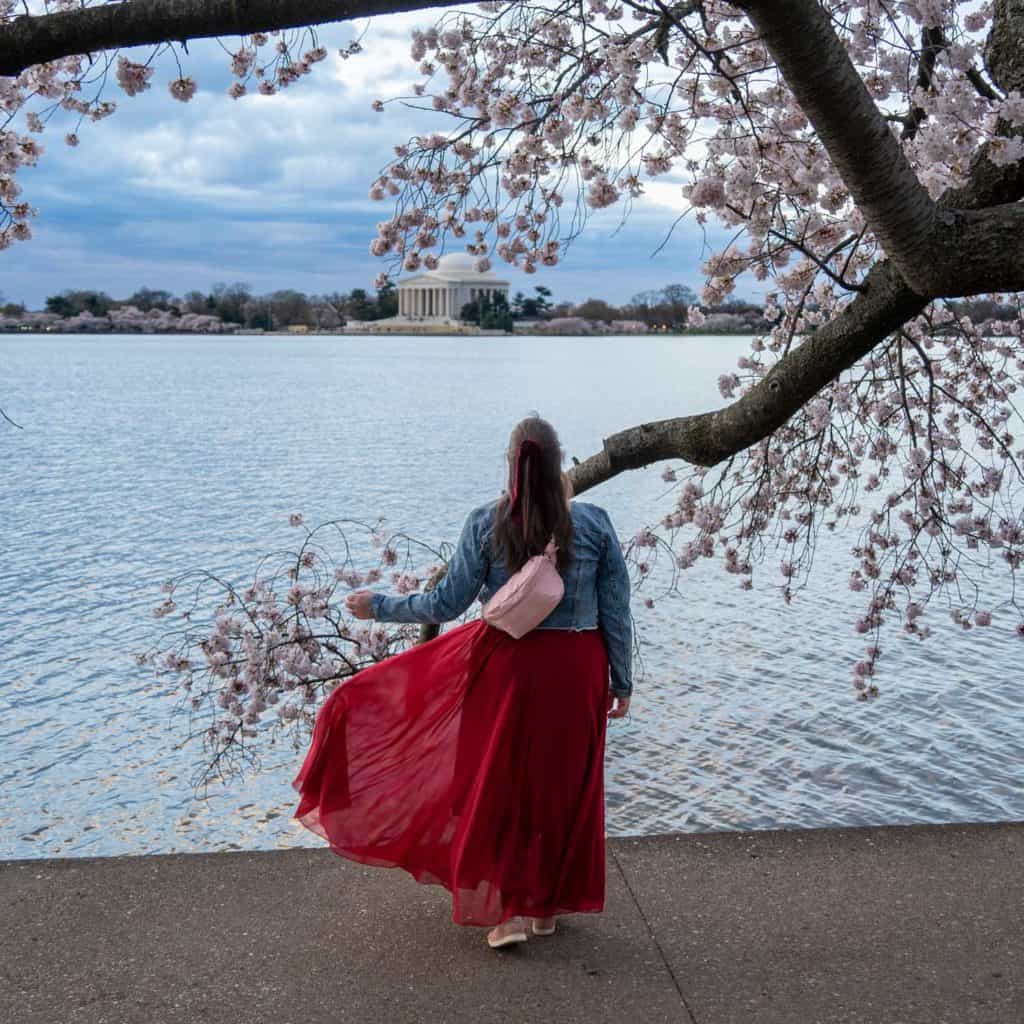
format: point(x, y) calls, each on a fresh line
point(35, 39)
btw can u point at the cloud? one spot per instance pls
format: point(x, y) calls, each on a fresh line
point(273, 190)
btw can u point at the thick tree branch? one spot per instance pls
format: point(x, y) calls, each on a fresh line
point(35, 39)
point(708, 438)
point(994, 237)
point(989, 185)
point(1004, 48)
point(979, 251)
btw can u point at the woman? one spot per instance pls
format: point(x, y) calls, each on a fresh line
point(476, 760)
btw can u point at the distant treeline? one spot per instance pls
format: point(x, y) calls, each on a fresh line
point(656, 310)
point(236, 305)
point(666, 309)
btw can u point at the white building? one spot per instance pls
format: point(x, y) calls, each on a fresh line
point(439, 295)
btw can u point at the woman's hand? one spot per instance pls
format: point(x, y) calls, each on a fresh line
point(620, 709)
point(360, 604)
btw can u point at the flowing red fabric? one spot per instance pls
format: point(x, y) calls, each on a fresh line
point(473, 761)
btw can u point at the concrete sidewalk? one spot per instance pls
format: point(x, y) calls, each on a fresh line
point(900, 925)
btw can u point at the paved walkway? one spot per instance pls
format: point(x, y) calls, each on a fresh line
point(901, 925)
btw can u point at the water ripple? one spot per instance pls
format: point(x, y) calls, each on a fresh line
point(146, 456)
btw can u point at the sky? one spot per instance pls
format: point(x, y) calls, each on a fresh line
point(272, 191)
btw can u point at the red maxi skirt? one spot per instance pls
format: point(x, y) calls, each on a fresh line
point(474, 761)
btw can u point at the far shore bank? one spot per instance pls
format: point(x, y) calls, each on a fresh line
point(919, 924)
point(295, 335)
point(411, 333)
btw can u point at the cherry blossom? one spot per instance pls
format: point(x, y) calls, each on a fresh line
point(183, 89)
point(272, 648)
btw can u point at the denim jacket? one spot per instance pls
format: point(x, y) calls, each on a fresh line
point(597, 587)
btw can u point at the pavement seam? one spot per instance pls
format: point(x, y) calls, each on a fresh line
point(654, 937)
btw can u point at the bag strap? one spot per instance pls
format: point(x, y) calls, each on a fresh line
point(551, 549)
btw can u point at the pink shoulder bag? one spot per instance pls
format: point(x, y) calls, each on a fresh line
point(528, 596)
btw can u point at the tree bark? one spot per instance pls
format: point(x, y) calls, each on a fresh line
point(1004, 48)
point(35, 39)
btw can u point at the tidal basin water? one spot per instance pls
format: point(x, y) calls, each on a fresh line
point(145, 456)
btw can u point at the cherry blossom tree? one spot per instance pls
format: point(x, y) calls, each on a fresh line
point(867, 154)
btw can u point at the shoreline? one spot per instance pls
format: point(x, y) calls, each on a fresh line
point(912, 923)
point(482, 335)
point(297, 335)
point(810, 833)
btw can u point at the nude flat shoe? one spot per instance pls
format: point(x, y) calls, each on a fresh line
point(509, 938)
point(537, 930)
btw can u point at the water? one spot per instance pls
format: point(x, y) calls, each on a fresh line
point(144, 456)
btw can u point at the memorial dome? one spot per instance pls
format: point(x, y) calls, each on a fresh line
point(461, 264)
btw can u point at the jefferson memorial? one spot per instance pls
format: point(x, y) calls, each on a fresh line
point(439, 295)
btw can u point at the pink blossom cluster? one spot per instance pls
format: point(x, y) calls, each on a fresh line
point(35, 95)
point(282, 67)
point(251, 659)
point(921, 443)
point(183, 89)
point(132, 76)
